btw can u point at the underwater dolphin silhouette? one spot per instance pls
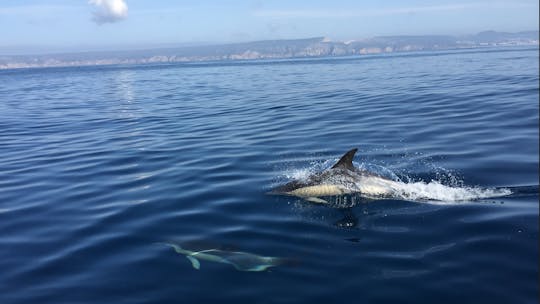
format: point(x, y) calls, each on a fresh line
point(242, 261)
point(343, 178)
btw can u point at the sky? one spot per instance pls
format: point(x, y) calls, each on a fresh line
point(68, 25)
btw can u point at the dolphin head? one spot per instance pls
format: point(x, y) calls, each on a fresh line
point(289, 187)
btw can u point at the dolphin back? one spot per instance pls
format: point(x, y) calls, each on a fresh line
point(244, 261)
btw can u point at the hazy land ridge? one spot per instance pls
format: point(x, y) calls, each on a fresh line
point(273, 49)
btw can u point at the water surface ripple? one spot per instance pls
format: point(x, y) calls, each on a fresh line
point(101, 163)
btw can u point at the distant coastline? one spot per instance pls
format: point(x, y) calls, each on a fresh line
point(274, 49)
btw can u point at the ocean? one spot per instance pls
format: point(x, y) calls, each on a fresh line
point(103, 167)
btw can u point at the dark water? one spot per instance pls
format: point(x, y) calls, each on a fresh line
point(99, 164)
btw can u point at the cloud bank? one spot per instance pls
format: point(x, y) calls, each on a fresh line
point(109, 11)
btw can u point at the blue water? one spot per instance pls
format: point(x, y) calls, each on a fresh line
point(100, 164)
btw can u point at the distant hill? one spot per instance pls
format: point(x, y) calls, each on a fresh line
point(501, 37)
point(274, 49)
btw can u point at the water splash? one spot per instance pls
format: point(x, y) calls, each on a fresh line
point(291, 173)
point(438, 193)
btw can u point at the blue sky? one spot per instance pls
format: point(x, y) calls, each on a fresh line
point(94, 24)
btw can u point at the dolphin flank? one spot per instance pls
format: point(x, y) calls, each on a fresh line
point(342, 178)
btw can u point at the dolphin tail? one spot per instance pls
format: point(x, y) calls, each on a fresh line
point(176, 247)
point(194, 262)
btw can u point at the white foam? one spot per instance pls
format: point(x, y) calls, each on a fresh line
point(436, 192)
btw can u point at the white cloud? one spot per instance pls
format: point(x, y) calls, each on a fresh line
point(108, 11)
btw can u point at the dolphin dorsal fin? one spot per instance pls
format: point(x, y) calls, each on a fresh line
point(346, 160)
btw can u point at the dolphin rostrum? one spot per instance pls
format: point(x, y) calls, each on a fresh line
point(343, 178)
point(242, 261)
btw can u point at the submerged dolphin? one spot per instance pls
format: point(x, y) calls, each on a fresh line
point(343, 178)
point(242, 261)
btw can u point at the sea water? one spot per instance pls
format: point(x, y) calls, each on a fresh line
point(100, 164)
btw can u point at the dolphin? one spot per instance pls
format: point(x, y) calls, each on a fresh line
point(341, 179)
point(242, 261)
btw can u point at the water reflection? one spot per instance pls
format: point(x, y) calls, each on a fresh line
point(123, 82)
